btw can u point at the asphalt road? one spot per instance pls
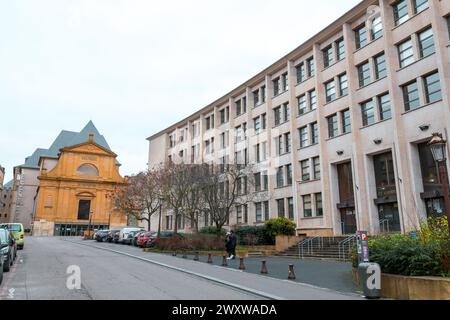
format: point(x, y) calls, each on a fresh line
point(41, 272)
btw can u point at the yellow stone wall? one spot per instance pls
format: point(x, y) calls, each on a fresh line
point(61, 188)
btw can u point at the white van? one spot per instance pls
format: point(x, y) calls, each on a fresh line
point(124, 232)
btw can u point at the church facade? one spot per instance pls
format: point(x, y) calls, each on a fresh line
point(76, 181)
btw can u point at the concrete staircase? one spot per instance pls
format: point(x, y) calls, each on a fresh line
point(319, 248)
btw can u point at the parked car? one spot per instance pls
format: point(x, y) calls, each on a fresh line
point(136, 237)
point(17, 231)
point(116, 236)
point(124, 232)
point(164, 235)
point(111, 234)
point(100, 235)
point(8, 248)
point(129, 237)
point(144, 237)
point(1, 266)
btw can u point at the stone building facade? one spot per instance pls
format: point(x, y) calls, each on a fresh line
point(338, 127)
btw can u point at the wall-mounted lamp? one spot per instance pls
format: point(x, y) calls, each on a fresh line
point(340, 152)
point(378, 141)
point(424, 127)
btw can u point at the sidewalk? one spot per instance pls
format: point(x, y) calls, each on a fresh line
point(250, 279)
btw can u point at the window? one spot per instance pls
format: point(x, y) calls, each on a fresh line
point(406, 54)
point(420, 5)
point(258, 209)
point(330, 91)
point(222, 116)
point(307, 210)
point(289, 174)
point(87, 170)
point(302, 108)
point(343, 85)
point(196, 129)
point(377, 28)
point(264, 121)
point(432, 88)
point(448, 25)
point(346, 124)
point(84, 209)
point(316, 166)
point(328, 56)
point(276, 86)
point(256, 98)
point(265, 181)
point(244, 104)
point(314, 133)
point(401, 12)
point(384, 103)
point(290, 208)
point(426, 43)
point(301, 73)
point(340, 46)
point(368, 113)
point(361, 37)
point(364, 74)
point(257, 177)
point(312, 99)
point(266, 210)
point(380, 66)
point(311, 67)
point(287, 142)
point(280, 207)
point(303, 132)
point(238, 108)
point(286, 112)
point(411, 96)
point(263, 94)
point(280, 143)
point(319, 208)
point(285, 82)
point(257, 125)
point(277, 114)
point(239, 214)
point(332, 126)
point(304, 165)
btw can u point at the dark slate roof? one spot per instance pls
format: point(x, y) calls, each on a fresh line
point(33, 160)
point(9, 185)
point(66, 139)
point(83, 136)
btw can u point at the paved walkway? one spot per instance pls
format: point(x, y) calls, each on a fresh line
point(281, 287)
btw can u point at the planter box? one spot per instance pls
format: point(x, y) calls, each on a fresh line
point(411, 288)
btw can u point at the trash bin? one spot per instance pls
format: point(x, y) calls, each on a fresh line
point(370, 279)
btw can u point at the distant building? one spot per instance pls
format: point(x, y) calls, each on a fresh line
point(6, 196)
point(58, 191)
point(2, 177)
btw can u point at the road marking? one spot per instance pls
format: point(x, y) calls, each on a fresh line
point(213, 279)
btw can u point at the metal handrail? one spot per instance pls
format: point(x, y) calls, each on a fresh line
point(308, 242)
point(342, 244)
point(383, 223)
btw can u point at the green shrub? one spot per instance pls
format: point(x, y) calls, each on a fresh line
point(212, 230)
point(280, 226)
point(428, 254)
point(253, 235)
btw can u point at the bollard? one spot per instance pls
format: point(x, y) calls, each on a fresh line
point(224, 261)
point(291, 273)
point(264, 267)
point(174, 254)
point(209, 258)
point(241, 265)
point(196, 256)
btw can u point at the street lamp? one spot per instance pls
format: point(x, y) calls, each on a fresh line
point(437, 146)
point(160, 214)
point(89, 225)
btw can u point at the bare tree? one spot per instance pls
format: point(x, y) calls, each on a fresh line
point(176, 182)
point(193, 204)
point(140, 199)
point(224, 187)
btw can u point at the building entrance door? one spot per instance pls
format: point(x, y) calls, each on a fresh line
point(348, 220)
point(435, 207)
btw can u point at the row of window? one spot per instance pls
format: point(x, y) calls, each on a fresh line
point(333, 125)
point(308, 209)
point(305, 167)
point(284, 176)
point(401, 9)
point(426, 47)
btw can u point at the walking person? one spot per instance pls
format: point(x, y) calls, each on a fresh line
point(232, 244)
point(228, 244)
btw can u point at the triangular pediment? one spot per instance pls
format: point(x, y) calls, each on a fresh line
point(89, 147)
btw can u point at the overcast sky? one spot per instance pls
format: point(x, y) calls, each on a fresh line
point(134, 67)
